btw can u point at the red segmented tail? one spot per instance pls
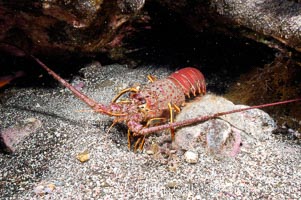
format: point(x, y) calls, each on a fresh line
point(190, 80)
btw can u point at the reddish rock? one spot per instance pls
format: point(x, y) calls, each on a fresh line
point(13, 136)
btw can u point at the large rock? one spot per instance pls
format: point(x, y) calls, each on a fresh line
point(87, 26)
point(225, 134)
point(257, 19)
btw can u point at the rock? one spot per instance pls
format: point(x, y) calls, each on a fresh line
point(191, 157)
point(172, 184)
point(152, 149)
point(263, 18)
point(49, 188)
point(173, 151)
point(83, 157)
point(105, 184)
point(39, 190)
point(130, 6)
point(150, 152)
point(44, 188)
point(225, 134)
point(13, 136)
point(218, 132)
point(59, 27)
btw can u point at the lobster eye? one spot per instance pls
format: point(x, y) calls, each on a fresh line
point(142, 101)
point(141, 106)
point(138, 97)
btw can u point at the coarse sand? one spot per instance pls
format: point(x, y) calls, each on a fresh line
point(45, 165)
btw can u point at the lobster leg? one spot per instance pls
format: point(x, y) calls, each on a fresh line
point(124, 91)
point(176, 108)
point(129, 139)
point(171, 108)
point(153, 119)
point(151, 78)
point(141, 140)
point(172, 130)
point(142, 144)
point(139, 143)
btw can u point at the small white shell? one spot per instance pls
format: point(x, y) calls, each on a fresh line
point(191, 157)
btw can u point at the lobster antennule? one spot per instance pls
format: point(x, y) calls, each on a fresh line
point(190, 80)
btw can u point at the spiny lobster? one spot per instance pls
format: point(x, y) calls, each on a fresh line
point(153, 102)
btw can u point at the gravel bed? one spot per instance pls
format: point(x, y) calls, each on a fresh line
point(45, 164)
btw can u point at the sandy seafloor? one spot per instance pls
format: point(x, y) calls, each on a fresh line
point(46, 160)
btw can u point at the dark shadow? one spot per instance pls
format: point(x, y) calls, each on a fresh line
point(171, 42)
point(51, 115)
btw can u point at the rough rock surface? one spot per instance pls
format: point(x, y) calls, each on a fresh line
point(254, 126)
point(12, 136)
point(55, 27)
point(45, 165)
point(277, 19)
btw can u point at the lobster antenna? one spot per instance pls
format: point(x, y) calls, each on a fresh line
point(145, 131)
point(82, 111)
point(98, 107)
point(90, 102)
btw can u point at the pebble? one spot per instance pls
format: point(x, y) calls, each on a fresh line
point(173, 151)
point(150, 152)
point(44, 189)
point(39, 190)
point(191, 157)
point(83, 157)
point(49, 188)
point(172, 184)
point(105, 184)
